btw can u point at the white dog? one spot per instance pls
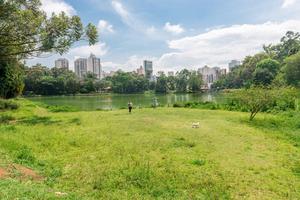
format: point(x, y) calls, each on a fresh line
point(196, 125)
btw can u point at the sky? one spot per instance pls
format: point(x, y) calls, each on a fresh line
point(175, 34)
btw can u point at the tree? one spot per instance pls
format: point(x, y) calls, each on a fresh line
point(182, 79)
point(195, 82)
point(289, 45)
point(161, 84)
point(291, 70)
point(11, 79)
point(171, 81)
point(26, 31)
point(260, 99)
point(255, 99)
point(127, 82)
point(265, 72)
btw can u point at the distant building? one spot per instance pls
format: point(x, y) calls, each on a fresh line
point(171, 73)
point(233, 64)
point(210, 75)
point(160, 73)
point(148, 67)
point(109, 74)
point(62, 63)
point(94, 66)
point(140, 71)
point(80, 66)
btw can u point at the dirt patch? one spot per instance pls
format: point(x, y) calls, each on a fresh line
point(3, 173)
point(25, 173)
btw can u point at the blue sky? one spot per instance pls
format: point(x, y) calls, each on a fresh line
point(176, 34)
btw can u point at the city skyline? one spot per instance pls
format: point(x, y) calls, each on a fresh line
point(177, 34)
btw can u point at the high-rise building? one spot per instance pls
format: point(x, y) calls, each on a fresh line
point(140, 71)
point(233, 64)
point(148, 67)
point(94, 66)
point(80, 66)
point(210, 75)
point(62, 63)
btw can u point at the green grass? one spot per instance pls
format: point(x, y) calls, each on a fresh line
point(151, 154)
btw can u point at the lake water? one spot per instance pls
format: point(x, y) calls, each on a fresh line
point(116, 101)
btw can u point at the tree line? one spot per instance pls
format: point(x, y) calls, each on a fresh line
point(41, 80)
point(277, 64)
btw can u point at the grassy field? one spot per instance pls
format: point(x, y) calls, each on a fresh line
point(150, 154)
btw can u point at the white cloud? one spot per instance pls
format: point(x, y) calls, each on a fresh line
point(57, 6)
point(175, 29)
point(99, 49)
point(122, 11)
point(288, 3)
point(105, 27)
point(219, 46)
point(133, 20)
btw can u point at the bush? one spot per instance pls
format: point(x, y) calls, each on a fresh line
point(8, 105)
point(178, 105)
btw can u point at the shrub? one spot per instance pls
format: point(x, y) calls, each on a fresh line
point(178, 105)
point(8, 105)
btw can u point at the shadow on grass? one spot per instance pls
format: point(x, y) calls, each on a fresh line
point(34, 120)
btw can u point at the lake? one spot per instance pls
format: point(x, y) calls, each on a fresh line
point(116, 101)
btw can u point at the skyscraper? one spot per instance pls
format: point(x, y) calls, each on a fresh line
point(94, 66)
point(62, 63)
point(80, 66)
point(148, 67)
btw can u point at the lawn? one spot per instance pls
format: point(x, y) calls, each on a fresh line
point(150, 154)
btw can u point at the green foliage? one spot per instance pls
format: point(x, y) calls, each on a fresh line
point(277, 65)
point(57, 109)
point(292, 70)
point(198, 162)
point(25, 156)
point(182, 79)
point(8, 105)
point(258, 99)
point(36, 33)
point(6, 118)
point(41, 80)
point(11, 78)
point(265, 72)
point(161, 84)
point(195, 82)
point(289, 45)
point(125, 82)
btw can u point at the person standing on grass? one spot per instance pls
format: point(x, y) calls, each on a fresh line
point(129, 106)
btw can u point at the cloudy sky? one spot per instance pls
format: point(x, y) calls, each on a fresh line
point(176, 34)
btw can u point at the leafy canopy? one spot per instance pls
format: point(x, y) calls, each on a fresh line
point(26, 30)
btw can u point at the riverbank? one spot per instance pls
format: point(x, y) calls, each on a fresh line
point(152, 153)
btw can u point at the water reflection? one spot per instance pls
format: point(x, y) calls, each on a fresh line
point(115, 101)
